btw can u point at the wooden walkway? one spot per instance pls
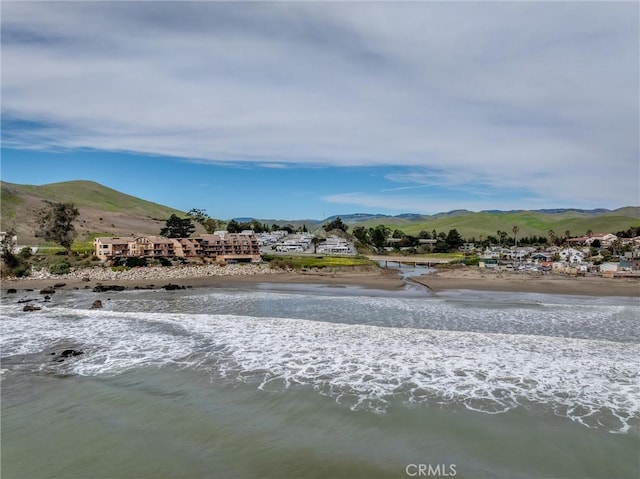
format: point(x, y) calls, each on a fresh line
point(408, 260)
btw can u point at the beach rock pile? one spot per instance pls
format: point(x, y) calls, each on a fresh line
point(157, 273)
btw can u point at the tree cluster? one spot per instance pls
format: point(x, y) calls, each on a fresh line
point(56, 224)
point(176, 227)
point(336, 225)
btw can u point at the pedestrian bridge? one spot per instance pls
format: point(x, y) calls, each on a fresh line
point(408, 260)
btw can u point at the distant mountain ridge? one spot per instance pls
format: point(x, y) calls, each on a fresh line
point(105, 211)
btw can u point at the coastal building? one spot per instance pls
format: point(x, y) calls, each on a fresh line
point(571, 255)
point(107, 248)
point(220, 246)
point(334, 245)
point(153, 247)
point(224, 246)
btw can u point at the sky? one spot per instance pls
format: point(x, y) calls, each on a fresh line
point(295, 110)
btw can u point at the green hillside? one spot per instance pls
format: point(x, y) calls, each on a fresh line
point(88, 194)
point(529, 223)
point(102, 210)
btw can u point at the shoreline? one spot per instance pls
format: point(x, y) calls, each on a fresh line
point(512, 282)
point(382, 279)
point(387, 280)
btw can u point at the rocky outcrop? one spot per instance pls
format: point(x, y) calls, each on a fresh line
point(30, 307)
point(152, 273)
point(49, 290)
point(102, 288)
point(172, 287)
point(97, 304)
point(67, 353)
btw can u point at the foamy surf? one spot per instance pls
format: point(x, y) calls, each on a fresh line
point(363, 366)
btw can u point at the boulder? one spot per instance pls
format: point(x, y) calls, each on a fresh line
point(67, 353)
point(59, 285)
point(172, 287)
point(47, 291)
point(97, 304)
point(107, 287)
point(12, 291)
point(30, 307)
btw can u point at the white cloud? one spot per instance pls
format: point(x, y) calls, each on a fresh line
point(537, 96)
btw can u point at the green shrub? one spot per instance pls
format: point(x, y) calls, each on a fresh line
point(61, 267)
point(164, 262)
point(21, 271)
point(25, 253)
point(120, 268)
point(135, 261)
point(471, 261)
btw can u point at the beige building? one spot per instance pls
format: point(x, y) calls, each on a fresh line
point(220, 246)
point(225, 246)
point(110, 247)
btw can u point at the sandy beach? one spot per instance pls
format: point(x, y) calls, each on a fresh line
point(479, 280)
point(199, 277)
point(385, 279)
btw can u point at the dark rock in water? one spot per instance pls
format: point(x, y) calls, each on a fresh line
point(67, 353)
point(97, 304)
point(12, 291)
point(25, 300)
point(29, 289)
point(172, 287)
point(47, 298)
point(86, 279)
point(47, 291)
point(31, 307)
point(108, 287)
point(59, 285)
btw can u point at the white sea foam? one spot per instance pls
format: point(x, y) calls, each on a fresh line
point(593, 382)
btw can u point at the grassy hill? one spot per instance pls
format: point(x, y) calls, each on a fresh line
point(103, 211)
point(470, 224)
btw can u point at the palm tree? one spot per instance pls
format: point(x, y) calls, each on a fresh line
point(515, 230)
point(552, 237)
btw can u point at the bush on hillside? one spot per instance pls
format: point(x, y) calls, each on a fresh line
point(21, 270)
point(61, 267)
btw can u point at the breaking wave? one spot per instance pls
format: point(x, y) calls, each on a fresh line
point(370, 367)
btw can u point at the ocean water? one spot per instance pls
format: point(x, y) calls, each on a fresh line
point(281, 381)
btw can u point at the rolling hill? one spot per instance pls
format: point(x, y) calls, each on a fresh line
point(104, 211)
point(476, 224)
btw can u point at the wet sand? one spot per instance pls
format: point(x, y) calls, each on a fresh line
point(476, 279)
